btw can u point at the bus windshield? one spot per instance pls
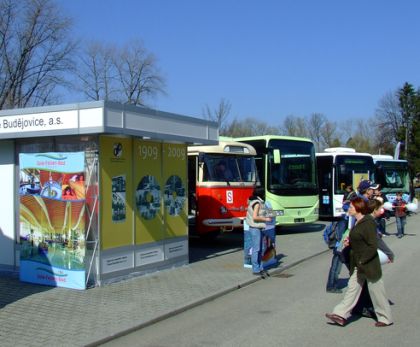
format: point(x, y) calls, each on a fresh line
point(295, 174)
point(219, 168)
point(392, 175)
point(347, 166)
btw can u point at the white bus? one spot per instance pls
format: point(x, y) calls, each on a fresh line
point(337, 168)
point(393, 176)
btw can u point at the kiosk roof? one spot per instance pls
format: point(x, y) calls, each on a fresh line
point(104, 117)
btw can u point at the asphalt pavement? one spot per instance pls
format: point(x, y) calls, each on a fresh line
point(34, 315)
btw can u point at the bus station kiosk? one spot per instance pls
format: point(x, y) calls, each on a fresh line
point(94, 192)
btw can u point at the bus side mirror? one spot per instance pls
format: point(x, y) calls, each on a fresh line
point(200, 157)
point(277, 157)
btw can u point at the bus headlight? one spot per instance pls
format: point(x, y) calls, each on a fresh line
point(223, 210)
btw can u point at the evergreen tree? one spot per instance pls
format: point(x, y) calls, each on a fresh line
point(409, 102)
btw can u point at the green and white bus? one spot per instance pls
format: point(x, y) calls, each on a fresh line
point(393, 176)
point(287, 170)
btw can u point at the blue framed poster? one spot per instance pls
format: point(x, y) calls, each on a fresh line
point(52, 219)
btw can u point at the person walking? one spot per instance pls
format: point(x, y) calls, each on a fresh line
point(364, 267)
point(337, 258)
point(336, 263)
point(256, 219)
point(364, 306)
point(366, 189)
point(400, 214)
point(381, 217)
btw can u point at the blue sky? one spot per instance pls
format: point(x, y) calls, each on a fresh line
point(269, 58)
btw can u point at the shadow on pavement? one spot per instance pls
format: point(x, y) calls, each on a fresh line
point(12, 289)
point(233, 241)
point(202, 249)
point(299, 229)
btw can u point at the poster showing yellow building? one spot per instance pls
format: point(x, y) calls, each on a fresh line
point(116, 192)
point(52, 219)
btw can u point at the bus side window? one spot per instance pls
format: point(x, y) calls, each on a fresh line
point(206, 174)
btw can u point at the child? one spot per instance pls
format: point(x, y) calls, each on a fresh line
point(400, 214)
point(349, 194)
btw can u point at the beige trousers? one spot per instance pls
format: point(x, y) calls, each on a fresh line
point(376, 292)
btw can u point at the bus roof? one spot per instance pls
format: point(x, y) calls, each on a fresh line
point(383, 157)
point(271, 137)
point(340, 150)
point(334, 151)
point(224, 147)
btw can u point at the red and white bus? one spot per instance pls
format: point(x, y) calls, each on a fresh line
point(221, 178)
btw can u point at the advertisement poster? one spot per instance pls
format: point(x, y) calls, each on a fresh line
point(358, 177)
point(148, 191)
point(115, 156)
point(52, 219)
point(175, 189)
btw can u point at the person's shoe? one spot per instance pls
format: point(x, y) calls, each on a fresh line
point(334, 290)
point(367, 313)
point(336, 319)
point(266, 273)
point(399, 236)
point(382, 324)
point(261, 274)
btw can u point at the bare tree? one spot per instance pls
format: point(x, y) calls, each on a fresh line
point(249, 127)
point(36, 52)
point(389, 114)
point(96, 74)
point(362, 139)
point(236, 129)
point(127, 74)
point(220, 114)
point(316, 122)
point(137, 73)
point(330, 137)
point(347, 130)
point(383, 137)
point(295, 126)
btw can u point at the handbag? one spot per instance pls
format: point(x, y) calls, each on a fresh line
point(344, 255)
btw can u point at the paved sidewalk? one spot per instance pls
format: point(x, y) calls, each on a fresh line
point(33, 315)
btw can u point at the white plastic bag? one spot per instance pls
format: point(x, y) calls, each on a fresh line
point(383, 258)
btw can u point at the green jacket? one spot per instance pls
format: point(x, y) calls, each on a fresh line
point(364, 249)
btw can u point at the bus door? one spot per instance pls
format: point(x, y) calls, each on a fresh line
point(325, 181)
